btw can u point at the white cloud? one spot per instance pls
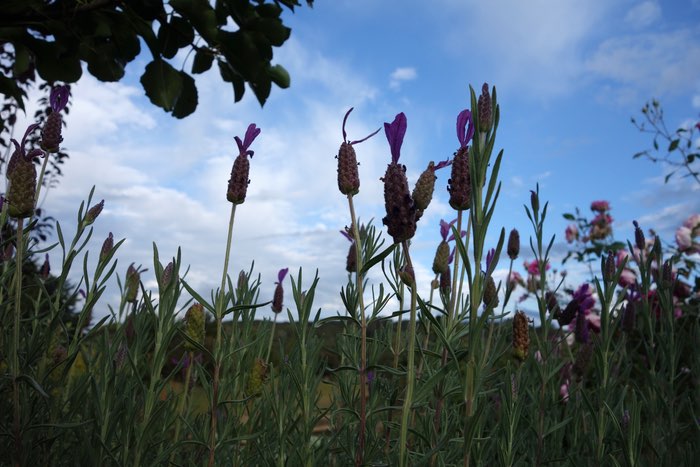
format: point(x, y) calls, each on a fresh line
point(643, 14)
point(399, 75)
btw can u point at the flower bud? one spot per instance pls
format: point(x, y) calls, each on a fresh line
point(445, 281)
point(238, 183)
point(133, 279)
point(167, 275)
point(442, 258)
point(407, 275)
point(534, 202)
point(569, 313)
point(581, 330)
point(107, 247)
point(21, 185)
point(278, 297)
point(609, 271)
point(400, 218)
point(639, 240)
point(92, 213)
point(45, 268)
point(194, 325)
point(490, 293)
point(667, 274)
point(423, 191)
point(513, 244)
point(351, 261)
point(485, 111)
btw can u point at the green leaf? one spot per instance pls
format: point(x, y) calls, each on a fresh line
point(203, 60)
point(368, 265)
point(8, 87)
point(200, 14)
point(674, 144)
point(569, 217)
point(33, 383)
point(187, 101)
point(279, 76)
point(163, 84)
point(175, 35)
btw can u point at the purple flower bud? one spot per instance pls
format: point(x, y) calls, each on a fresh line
point(93, 212)
point(489, 257)
point(278, 297)
point(59, 97)
point(45, 268)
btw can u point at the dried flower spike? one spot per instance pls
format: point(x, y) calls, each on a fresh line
point(400, 216)
point(194, 326)
point(348, 175)
point(278, 297)
point(51, 132)
point(238, 183)
point(521, 336)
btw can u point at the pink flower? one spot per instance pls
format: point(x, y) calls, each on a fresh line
point(621, 256)
point(600, 206)
point(515, 279)
point(693, 222)
point(571, 233)
point(593, 321)
point(627, 278)
point(533, 267)
point(564, 391)
point(684, 238)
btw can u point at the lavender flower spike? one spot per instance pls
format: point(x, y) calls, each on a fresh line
point(465, 127)
point(251, 133)
point(395, 131)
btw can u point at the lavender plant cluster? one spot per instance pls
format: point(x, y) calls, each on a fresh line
point(610, 375)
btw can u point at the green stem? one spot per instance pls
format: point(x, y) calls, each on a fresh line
point(220, 308)
point(183, 399)
point(15, 343)
point(359, 460)
point(410, 370)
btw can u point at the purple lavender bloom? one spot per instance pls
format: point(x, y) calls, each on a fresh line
point(59, 98)
point(20, 147)
point(465, 127)
point(251, 133)
point(282, 274)
point(395, 132)
point(445, 228)
point(584, 295)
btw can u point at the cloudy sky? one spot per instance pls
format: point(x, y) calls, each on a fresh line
point(569, 76)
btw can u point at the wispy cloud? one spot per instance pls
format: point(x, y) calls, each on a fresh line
point(643, 14)
point(399, 75)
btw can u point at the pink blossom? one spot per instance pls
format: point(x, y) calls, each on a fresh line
point(571, 233)
point(621, 256)
point(515, 279)
point(600, 206)
point(534, 268)
point(627, 278)
point(693, 222)
point(564, 391)
point(684, 238)
point(593, 321)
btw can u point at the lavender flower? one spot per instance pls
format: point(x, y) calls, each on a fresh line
point(21, 178)
point(51, 132)
point(425, 186)
point(400, 216)
point(238, 183)
point(459, 184)
point(348, 176)
point(278, 297)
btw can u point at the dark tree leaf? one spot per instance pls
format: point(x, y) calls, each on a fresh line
point(163, 84)
point(202, 61)
point(187, 101)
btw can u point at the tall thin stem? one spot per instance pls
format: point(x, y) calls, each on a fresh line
point(15, 343)
point(410, 368)
point(220, 308)
point(359, 459)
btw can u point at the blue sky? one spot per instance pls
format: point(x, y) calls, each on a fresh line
point(569, 76)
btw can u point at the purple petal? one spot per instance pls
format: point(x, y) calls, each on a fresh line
point(465, 129)
point(394, 134)
point(345, 119)
point(347, 235)
point(251, 133)
point(30, 128)
point(445, 228)
point(59, 98)
point(489, 257)
point(442, 165)
point(282, 274)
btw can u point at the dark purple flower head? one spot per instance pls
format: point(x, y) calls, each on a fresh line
point(395, 131)
point(251, 133)
point(20, 147)
point(282, 274)
point(584, 295)
point(59, 98)
point(465, 127)
point(445, 228)
point(345, 135)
